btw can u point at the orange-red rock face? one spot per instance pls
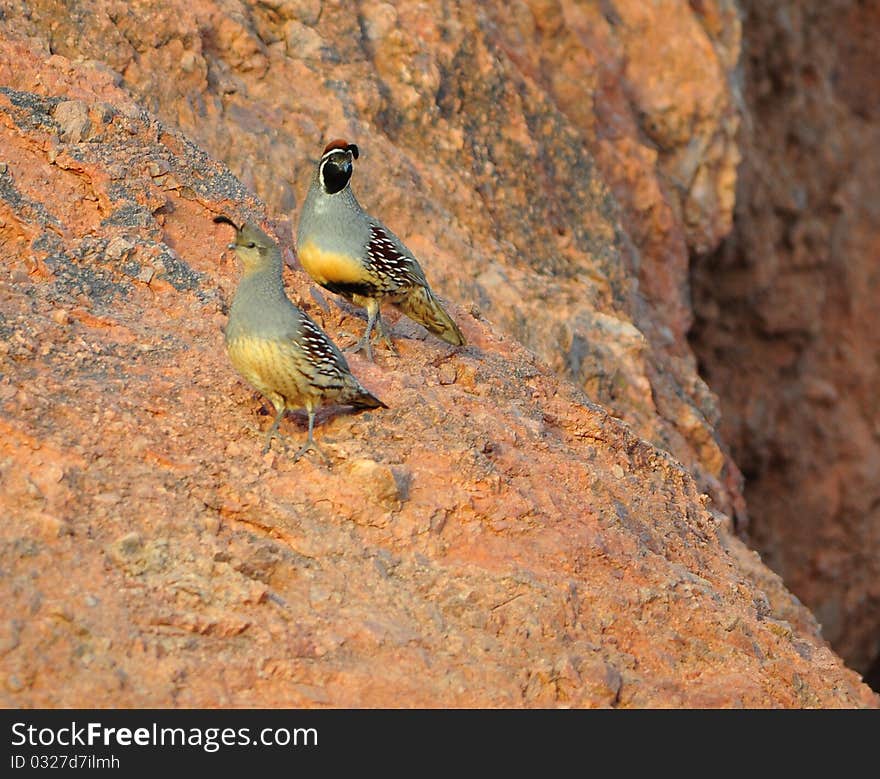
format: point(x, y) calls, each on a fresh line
point(550, 162)
point(494, 538)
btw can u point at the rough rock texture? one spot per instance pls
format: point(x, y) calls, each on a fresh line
point(494, 538)
point(789, 310)
point(541, 158)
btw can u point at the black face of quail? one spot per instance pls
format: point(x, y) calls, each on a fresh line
point(336, 165)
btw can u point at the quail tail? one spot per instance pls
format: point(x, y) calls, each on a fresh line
point(422, 306)
point(363, 400)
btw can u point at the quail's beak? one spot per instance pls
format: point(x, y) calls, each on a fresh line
point(230, 246)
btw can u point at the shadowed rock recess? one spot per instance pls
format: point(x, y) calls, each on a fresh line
point(788, 311)
point(542, 518)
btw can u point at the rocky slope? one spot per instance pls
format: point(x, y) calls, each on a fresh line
point(556, 174)
point(495, 537)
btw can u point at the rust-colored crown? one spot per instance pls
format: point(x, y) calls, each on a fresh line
point(342, 144)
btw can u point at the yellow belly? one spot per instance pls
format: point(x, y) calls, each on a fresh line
point(330, 267)
point(270, 367)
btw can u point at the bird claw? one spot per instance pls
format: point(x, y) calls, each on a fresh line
point(383, 334)
point(311, 445)
point(274, 434)
point(363, 345)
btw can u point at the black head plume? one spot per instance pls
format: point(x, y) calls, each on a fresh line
point(223, 219)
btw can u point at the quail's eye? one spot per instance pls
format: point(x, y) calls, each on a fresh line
point(252, 245)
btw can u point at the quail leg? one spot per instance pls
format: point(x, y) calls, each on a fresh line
point(364, 344)
point(273, 431)
point(374, 321)
point(310, 441)
point(385, 335)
